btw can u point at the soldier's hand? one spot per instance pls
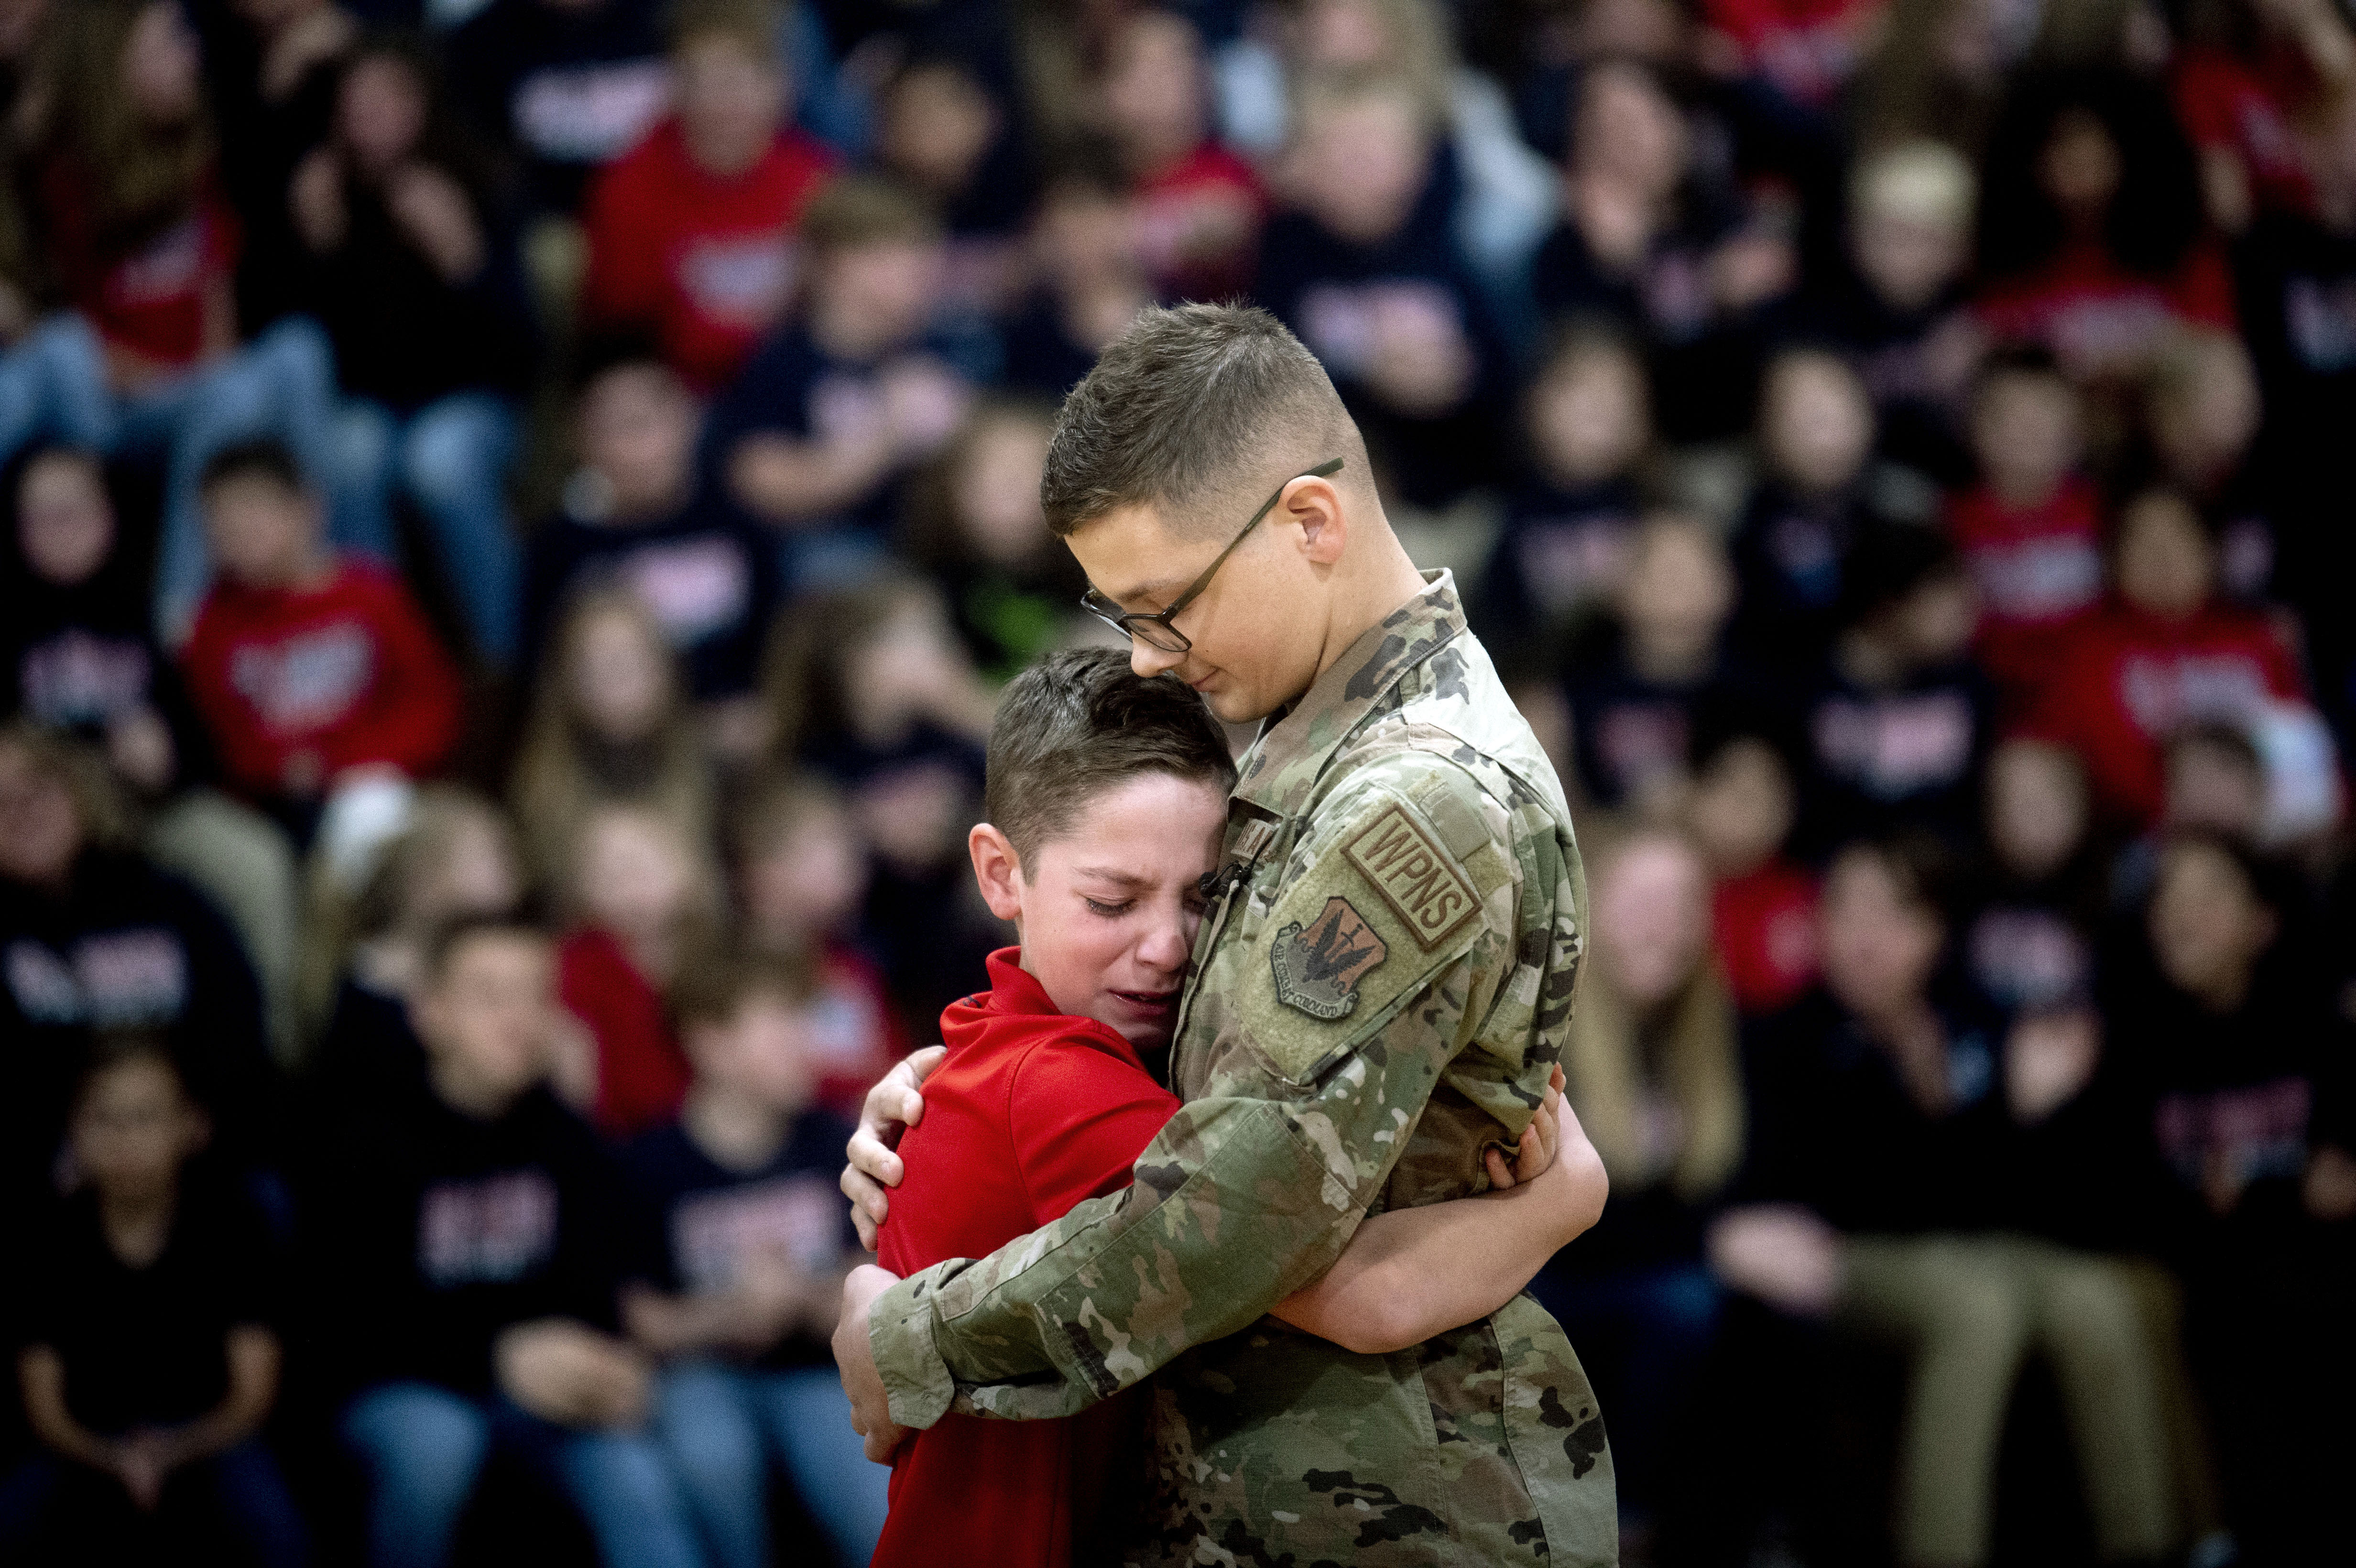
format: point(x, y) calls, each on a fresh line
point(854, 1356)
point(892, 1106)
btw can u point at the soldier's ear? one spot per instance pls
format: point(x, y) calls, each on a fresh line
point(997, 870)
point(1314, 506)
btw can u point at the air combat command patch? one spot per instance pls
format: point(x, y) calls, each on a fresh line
point(1317, 970)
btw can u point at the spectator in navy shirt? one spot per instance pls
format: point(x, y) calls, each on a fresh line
point(470, 1252)
point(1366, 269)
point(93, 935)
point(637, 516)
point(754, 1242)
point(834, 410)
point(565, 86)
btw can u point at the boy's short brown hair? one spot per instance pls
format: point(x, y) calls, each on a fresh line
point(712, 986)
point(1185, 408)
point(1078, 722)
point(854, 210)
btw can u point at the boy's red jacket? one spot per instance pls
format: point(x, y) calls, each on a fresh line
point(346, 670)
point(703, 263)
point(2132, 680)
point(2039, 569)
point(1033, 1111)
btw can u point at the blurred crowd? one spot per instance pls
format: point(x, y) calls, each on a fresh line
point(516, 510)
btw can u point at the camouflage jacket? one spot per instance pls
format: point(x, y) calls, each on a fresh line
point(1381, 985)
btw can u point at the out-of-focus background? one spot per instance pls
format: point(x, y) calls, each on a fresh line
point(581, 456)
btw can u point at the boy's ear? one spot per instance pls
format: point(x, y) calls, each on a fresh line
point(1314, 506)
point(997, 870)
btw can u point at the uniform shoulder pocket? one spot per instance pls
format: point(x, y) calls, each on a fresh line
point(1384, 902)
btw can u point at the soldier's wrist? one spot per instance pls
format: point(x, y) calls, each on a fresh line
point(900, 1337)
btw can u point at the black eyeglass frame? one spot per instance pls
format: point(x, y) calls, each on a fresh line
point(1131, 623)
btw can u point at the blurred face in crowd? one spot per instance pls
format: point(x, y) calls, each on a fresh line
point(160, 66)
point(1816, 422)
point(1343, 35)
point(1629, 130)
point(900, 669)
point(487, 1018)
point(1881, 943)
point(1361, 163)
point(1652, 919)
point(2206, 409)
point(133, 1126)
point(618, 678)
point(1153, 89)
point(1933, 625)
point(1680, 589)
point(2036, 808)
point(2166, 564)
point(1908, 257)
point(2208, 925)
point(632, 873)
point(2081, 168)
point(1743, 807)
point(1589, 418)
point(40, 826)
point(2026, 433)
point(937, 124)
point(731, 99)
point(380, 110)
point(638, 433)
point(762, 1053)
point(877, 294)
point(262, 534)
point(1085, 234)
point(2214, 785)
point(65, 524)
point(1107, 909)
point(808, 883)
point(476, 872)
point(995, 489)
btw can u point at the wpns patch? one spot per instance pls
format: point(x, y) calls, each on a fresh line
point(1414, 875)
point(1318, 968)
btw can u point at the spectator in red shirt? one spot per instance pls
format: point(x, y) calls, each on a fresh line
point(134, 228)
point(2247, 81)
point(801, 875)
point(1763, 907)
point(1805, 49)
point(2090, 228)
point(1200, 207)
point(1044, 1099)
point(2161, 655)
point(2031, 529)
point(643, 895)
point(692, 232)
point(312, 670)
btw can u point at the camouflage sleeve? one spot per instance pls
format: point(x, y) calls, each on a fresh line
point(1381, 949)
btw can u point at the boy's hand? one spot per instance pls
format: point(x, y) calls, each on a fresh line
point(894, 1105)
point(1542, 1141)
point(855, 1355)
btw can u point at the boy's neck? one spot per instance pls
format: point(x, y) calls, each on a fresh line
point(137, 1224)
point(735, 1131)
point(298, 574)
point(2024, 493)
point(1667, 657)
point(841, 336)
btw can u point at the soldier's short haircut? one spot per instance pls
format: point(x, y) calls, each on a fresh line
point(1191, 407)
point(1079, 722)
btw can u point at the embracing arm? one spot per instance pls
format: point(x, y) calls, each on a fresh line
point(1412, 1274)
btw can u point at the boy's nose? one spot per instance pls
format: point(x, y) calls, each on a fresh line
point(1165, 947)
point(1148, 661)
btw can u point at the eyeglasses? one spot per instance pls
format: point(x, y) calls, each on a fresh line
point(1154, 628)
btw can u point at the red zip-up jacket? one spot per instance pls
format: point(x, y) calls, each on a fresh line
point(1031, 1111)
point(346, 670)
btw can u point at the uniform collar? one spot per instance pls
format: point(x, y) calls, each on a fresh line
point(1292, 747)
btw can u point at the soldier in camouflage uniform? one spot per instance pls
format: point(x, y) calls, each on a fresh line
point(1381, 986)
